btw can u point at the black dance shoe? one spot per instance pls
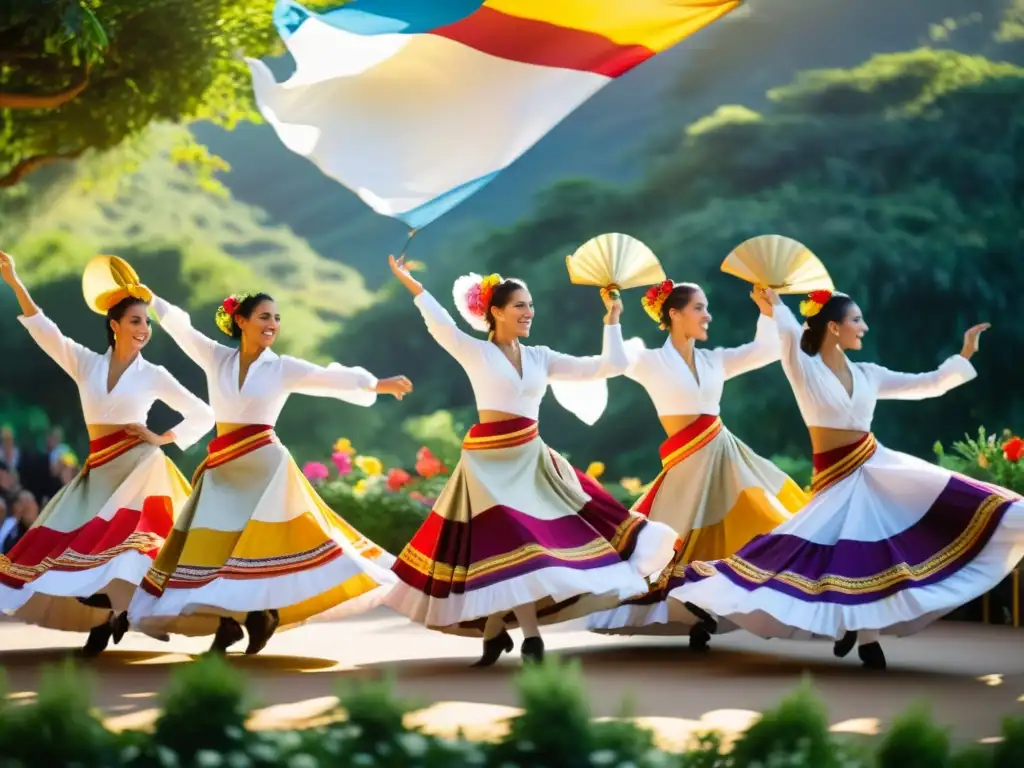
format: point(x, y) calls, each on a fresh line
point(229, 632)
point(700, 638)
point(706, 619)
point(532, 650)
point(493, 648)
point(118, 626)
point(261, 626)
point(842, 646)
point(99, 638)
point(872, 655)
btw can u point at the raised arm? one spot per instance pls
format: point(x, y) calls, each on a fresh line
point(955, 371)
point(789, 331)
point(201, 348)
point(613, 360)
point(353, 385)
point(766, 348)
point(66, 353)
point(197, 416)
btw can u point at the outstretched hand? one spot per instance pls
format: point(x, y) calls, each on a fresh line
point(7, 272)
point(396, 386)
point(400, 270)
point(972, 338)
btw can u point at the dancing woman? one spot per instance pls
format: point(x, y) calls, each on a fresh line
point(713, 490)
point(518, 536)
point(255, 544)
point(888, 543)
point(78, 566)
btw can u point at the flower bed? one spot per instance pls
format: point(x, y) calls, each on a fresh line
point(206, 707)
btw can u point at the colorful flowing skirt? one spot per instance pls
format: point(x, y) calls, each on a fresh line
point(516, 524)
point(256, 536)
point(718, 495)
point(888, 543)
point(98, 536)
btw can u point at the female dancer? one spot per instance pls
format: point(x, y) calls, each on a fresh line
point(518, 536)
point(255, 543)
point(888, 543)
point(713, 490)
point(77, 567)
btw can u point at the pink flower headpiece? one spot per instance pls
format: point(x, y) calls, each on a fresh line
point(472, 294)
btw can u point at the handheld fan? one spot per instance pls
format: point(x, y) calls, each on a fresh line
point(614, 261)
point(109, 279)
point(779, 263)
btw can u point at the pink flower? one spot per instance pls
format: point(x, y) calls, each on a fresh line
point(398, 479)
point(315, 472)
point(342, 462)
point(475, 300)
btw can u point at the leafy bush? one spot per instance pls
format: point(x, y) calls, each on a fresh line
point(987, 458)
point(799, 725)
point(914, 741)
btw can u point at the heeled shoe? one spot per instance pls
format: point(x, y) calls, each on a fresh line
point(493, 648)
point(99, 638)
point(261, 626)
point(844, 645)
point(700, 638)
point(118, 626)
point(532, 650)
point(229, 632)
point(706, 619)
point(872, 655)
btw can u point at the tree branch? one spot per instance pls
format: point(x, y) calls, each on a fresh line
point(45, 101)
point(34, 163)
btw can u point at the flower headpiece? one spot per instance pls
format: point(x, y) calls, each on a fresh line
point(226, 311)
point(654, 300)
point(472, 294)
point(815, 300)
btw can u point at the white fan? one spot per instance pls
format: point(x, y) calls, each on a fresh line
point(614, 261)
point(780, 263)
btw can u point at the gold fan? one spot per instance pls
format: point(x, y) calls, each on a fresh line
point(108, 280)
point(614, 261)
point(779, 263)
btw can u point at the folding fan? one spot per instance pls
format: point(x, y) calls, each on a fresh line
point(108, 278)
point(614, 261)
point(779, 263)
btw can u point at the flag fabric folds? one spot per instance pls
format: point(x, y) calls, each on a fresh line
point(417, 104)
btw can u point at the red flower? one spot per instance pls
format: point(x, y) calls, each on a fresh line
point(1013, 449)
point(820, 297)
point(428, 465)
point(230, 305)
point(398, 479)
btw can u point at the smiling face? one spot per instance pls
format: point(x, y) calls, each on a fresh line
point(849, 334)
point(693, 319)
point(515, 318)
point(132, 331)
point(260, 329)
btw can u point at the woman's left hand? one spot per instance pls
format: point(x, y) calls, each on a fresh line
point(613, 308)
point(972, 338)
point(144, 434)
point(766, 299)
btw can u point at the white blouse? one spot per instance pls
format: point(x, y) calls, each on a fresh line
point(671, 384)
point(578, 383)
point(129, 401)
point(271, 378)
point(824, 402)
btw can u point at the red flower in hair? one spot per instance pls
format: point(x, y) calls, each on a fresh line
point(1013, 449)
point(230, 305)
point(820, 297)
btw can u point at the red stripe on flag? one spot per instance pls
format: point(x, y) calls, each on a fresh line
point(543, 44)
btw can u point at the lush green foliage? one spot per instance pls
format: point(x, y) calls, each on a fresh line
point(206, 707)
point(988, 458)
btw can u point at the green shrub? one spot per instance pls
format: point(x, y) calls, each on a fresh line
point(798, 725)
point(388, 519)
point(799, 468)
point(1009, 753)
point(988, 458)
point(914, 741)
point(707, 752)
point(973, 756)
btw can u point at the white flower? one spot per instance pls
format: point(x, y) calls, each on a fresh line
point(207, 758)
point(167, 757)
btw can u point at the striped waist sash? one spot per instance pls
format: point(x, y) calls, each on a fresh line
point(500, 434)
point(833, 466)
point(105, 449)
point(225, 448)
point(690, 439)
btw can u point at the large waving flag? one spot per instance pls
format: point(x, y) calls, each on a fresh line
point(417, 104)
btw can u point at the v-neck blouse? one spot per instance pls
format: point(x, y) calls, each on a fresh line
point(141, 384)
point(497, 385)
point(824, 401)
point(671, 384)
point(270, 380)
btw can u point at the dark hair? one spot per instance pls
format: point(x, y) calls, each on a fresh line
point(502, 295)
point(678, 298)
point(245, 309)
point(832, 311)
point(118, 311)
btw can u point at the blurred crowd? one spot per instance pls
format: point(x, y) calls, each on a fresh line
point(29, 478)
